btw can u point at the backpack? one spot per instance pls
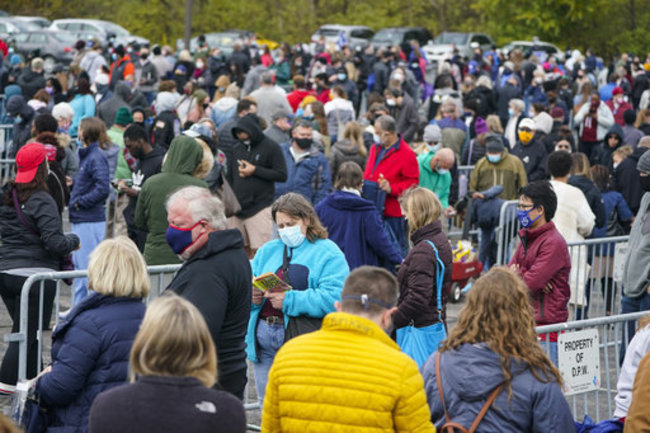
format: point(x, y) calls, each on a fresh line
point(449, 426)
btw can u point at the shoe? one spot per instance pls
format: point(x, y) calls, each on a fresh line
point(6, 389)
point(64, 314)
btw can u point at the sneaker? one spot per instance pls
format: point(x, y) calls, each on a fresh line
point(6, 389)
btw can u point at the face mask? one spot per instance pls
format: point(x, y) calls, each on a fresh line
point(200, 65)
point(645, 183)
point(260, 52)
point(128, 83)
point(442, 171)
point(433, 148)
point(616, 164)
point(511, 112)
point(494, 158)
point(525, 137)
point(342, 77)
point(538, 80)
point(246, 142)
point(143, 57)
point(524, 218)
point(390, 102)
point(375, 138)
point(114, 57)
point(180, 239)
point(49, 90)
point(292, 236)
point(205, 106)
point(303, 143)
point(398, 77)
point(18, 119)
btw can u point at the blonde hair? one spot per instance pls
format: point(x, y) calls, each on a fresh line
point(174, 340)
point(498, 313)
point(494, 123)
point(204, 167)
point(116, 268)
point(354, 133)
point(421, 207)
point(581, 166)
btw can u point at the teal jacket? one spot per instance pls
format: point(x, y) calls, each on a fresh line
point(432, 180)
point(325, 269)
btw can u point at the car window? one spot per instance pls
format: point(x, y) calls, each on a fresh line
point(74, 27)
point(482, 40)
point(89, 28)
point(363, 34)
point(328, 32)
point(451, 38)
point(19, 38)
point(64, 37)
point(38, 38)
point(388, 37)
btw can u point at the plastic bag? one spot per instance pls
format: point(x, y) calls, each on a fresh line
point(420, 343)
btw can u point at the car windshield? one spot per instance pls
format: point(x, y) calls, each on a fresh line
point(25, 26)
point(451, 38)
point(389, 36)
point(114, 28)
point(223, 40)
point(329, 32)
point(64, 37)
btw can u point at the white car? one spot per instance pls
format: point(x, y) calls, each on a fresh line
point(354, 36)
point(105, 31)
point(442, 46)
point(541, 49)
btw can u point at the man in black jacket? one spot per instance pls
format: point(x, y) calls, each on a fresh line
point(24, 115)
point(531, 151)
point(225, 138)
point(254, 166)
point(215, 277)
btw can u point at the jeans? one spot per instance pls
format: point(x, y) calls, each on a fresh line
point(631, 305)
point(90, 235)
point(398, 225)
point(10, 289)
point(269, 340)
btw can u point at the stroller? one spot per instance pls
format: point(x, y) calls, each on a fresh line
point(466, 266)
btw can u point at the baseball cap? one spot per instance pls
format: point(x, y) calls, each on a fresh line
point(28, 159)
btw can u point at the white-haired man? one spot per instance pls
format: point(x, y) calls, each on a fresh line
point(215, 276)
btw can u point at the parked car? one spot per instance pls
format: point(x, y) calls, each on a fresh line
point(401, 36)
point(105, 31)
point(541, 49)
point(442, 46)
point(223, 40)
point(355, 36)
point(10, 27)
point(53, 46)
point(36, 21)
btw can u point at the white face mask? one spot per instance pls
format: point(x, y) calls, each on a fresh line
point(292, 236)
point(200, 65)
point(616, 164)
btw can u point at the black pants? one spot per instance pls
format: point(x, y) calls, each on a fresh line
point(592, 150)
point(608, 288)
point(234, 383)
point(10, 288)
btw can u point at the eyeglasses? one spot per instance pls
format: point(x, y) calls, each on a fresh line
point(524, 206)
point(525, 129)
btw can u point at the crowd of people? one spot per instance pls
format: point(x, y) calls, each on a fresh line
point(337, 170)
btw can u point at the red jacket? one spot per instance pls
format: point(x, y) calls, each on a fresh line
point(399, 167)
point(295, 98)
point(618, 112)
point(543, 257)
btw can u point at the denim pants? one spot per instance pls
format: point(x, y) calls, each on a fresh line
point(90, 235)
point(631, 305)
point(398, 225)
point(269, 340)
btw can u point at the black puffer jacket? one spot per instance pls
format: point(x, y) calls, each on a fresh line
point(593, 196)
point(257, 191)
point(44, 245)
point(533, 155)
point(417, 278)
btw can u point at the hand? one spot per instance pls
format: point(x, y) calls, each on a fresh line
point(547, 288)
point(45, 371)
point(277, 299)
point(68, 181)
point(477, 195)
point(258, 296)
point(514, 267)
point(384, 185)
point(449, 212)
point(246, 169)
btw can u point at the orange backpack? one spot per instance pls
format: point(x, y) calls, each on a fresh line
point(450, 426)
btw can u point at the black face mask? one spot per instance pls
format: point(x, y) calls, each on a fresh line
point(303, 143)
point(645, 183)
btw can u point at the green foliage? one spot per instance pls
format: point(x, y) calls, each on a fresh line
point(608, 26)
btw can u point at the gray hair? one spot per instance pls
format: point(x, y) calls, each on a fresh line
point(62, 110)
point(267, 78)
point(518, 104)
point(201, 204)
point(302, 123)
point(387, 123)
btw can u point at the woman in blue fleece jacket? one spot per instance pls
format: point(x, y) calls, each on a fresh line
point(310, 263)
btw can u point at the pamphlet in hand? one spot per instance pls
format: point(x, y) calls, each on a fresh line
point(271, 283)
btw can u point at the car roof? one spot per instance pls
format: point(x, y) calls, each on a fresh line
point(343, 26)
point(401, 29)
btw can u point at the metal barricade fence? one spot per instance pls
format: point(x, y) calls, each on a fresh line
point(7, 167)
point(6, 138)
point(506, 232)
point(589, 354)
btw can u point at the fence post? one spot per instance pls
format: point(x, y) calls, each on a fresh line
point(503, 231)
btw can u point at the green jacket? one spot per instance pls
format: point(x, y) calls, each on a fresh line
point(432, 180)
point(117, 136)
point(184, 155)
point(509, 172)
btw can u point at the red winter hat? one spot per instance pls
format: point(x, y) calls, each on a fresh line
point(28, 159)
point(617, 91)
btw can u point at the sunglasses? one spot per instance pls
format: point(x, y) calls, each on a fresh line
point(525, 130)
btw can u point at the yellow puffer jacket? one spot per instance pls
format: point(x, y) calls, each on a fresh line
point(349, 376)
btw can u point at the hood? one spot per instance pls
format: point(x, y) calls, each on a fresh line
point(425, 163)
point(637, 154)
point(544, 122)
point(15, 105)
point(581, 182)
point(122, 90)
point(250, 124)
point(473, 371)
point(618, 131)
point(341, 200)
point(218, 242)
point(165, 101)
point(111, 151)
point(225, 104)
point(183, 156)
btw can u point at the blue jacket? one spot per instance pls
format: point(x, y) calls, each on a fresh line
point(84, 107)
point(355, 225)
point(90, 354)
point(470, 374)
point(309, 177)
point(91, 186)
point(319, 267)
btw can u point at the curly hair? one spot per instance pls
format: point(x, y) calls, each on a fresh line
point(498, 313)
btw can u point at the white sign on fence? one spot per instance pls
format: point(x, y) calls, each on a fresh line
point(620, 254)
point(579, 361)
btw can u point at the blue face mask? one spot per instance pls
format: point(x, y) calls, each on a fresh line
point(494, 158)
point(442, 171)
point(342, 77)
point(524, 218)
point(375, 138)
point(18, 119)
point(180, 239)
point(292, 236)
point(434, 148)
point(511, 112)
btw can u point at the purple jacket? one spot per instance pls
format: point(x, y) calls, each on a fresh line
point(543, 257)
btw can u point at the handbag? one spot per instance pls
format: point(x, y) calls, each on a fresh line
point(376, 195)
point(420, 343)
point(66, 263)
point(297, 325)
point(228, 198)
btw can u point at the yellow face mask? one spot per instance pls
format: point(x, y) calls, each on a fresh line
point(525, 136)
